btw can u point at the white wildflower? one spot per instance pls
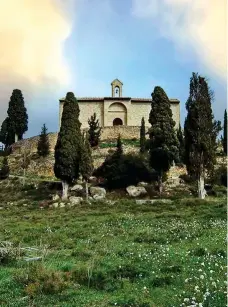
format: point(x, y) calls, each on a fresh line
point(186, 299)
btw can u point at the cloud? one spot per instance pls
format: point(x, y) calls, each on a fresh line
point(32, 38)
point(194, 26)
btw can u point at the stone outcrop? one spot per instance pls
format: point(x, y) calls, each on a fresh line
point(136, 191)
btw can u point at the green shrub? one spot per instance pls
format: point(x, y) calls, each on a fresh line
point(220, 176)
point(4, 171)
point(161, 281)
point(37, 279)
point(124, 170)
point(8, 252)
point(199, 252)
point(219, 191)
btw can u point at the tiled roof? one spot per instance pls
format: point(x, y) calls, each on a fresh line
point(118, 98)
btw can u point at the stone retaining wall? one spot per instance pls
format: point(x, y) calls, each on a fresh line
point(107, 133)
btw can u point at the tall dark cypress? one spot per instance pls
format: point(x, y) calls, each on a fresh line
point(43, 146)
point(224, 139)
point(17, 113)
point(180, 138)
point(200, 131)
point(69, 144)
point(163, 138)
point(7, 136)
point(86, 163)
point(142, 136)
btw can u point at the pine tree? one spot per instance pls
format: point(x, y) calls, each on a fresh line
point(94, 131)
point(69, 144)
point(86, 164)
point(180, 138)
point(43, 146)
point(163, 139)
point(142, 136)
point(200, 132)
point(17, 113)
point(224, 138)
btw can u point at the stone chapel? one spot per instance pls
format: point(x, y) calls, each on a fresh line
point(118, 110)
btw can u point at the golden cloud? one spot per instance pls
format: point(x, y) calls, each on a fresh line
point(198, 26)
point(31, 41)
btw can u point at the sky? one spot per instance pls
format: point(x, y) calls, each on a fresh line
point(51, 47)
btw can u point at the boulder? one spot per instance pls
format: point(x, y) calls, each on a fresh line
point(136, 191)
point(97, 191)
point(92, 180)
point(74, 200)
point(62, 205)
point(98, 197)
point(55, 205)
point(55, 197)
point(152, 201)
point(77, 188)
point(142, 184)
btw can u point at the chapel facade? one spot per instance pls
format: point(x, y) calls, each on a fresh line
point(118, 110)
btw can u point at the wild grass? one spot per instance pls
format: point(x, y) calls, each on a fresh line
point(106, 254)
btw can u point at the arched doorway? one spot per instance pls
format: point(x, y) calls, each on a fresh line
point(117, 122)
point(117, 114)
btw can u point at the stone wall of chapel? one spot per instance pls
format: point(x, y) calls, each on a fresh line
point(137, 111)
point(142, 109)
point(175, 107)
point(87, 109)
point(134, 112)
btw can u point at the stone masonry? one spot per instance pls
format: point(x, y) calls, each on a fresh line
point(118, 110)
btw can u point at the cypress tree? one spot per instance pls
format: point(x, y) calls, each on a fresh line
point(94, 131)
point(69, 144)
point(180, 138)
point(4, 171)
point(17, 113)
point(86, 164)
point(119, 146)
point(200, 132)
point(163, 138)
point(142, 136)
point(43, 146)
point(224, 139)
point(6, 135)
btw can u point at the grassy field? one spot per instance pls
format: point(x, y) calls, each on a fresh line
point(119, 254)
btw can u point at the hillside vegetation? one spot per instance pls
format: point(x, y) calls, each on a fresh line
point(111, 253)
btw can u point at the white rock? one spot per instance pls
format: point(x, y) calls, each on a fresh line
point(92, 179)
point(152, 201)
point(98, 197)
point(25, 205)
point(74, 200)
point(77, 188)
point(61, 205)
point(136, 191)
point(97, 191)
point(111, 202)
point(142, 184)
point(55, 205)
point(55, 197)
